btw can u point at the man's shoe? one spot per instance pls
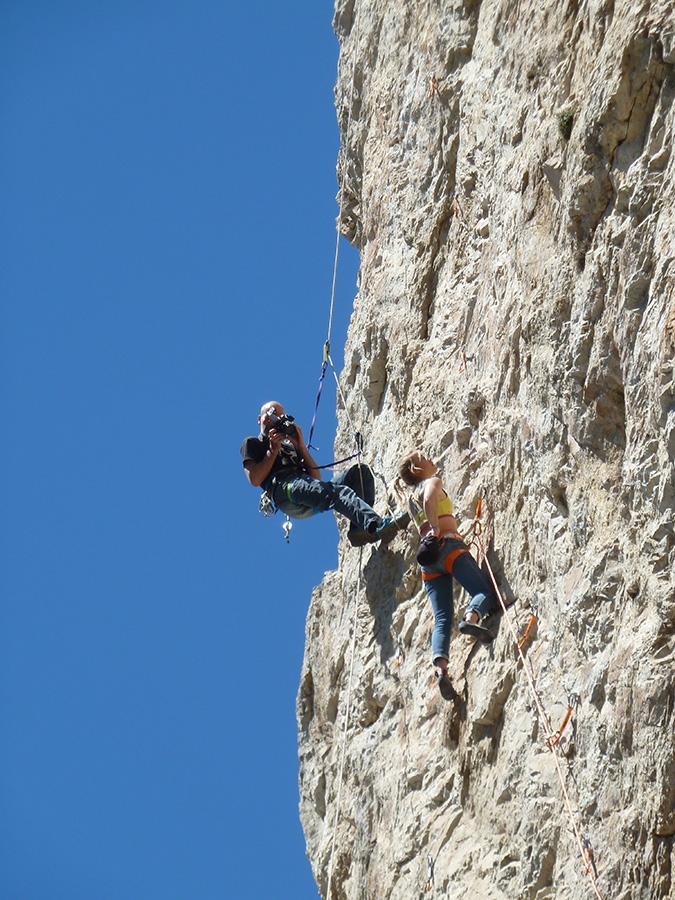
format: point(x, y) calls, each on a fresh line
point(358, 538)
point(390, 527)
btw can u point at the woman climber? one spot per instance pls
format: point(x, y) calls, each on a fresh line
point(433, 515)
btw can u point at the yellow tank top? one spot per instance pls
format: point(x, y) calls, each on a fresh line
point(444, 508)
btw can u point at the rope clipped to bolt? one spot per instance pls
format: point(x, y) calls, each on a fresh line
point(553, 738)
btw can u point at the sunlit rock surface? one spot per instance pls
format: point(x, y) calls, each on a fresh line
point(508, 170)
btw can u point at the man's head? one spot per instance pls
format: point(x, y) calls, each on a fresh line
point(272, 406)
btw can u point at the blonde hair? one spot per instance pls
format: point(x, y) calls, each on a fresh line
point(405, 476)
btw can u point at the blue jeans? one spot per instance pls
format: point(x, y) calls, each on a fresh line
point(350, 493)
point(438, 579)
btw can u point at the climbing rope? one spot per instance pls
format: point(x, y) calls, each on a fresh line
point(341, 203)
point(326, 347)
point(552, 739)
point(328, 361)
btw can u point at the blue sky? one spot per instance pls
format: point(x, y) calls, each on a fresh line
point(167, 179)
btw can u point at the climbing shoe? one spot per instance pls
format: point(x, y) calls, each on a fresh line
point(473, 629)
point(445, 687)
point(358, 538)
point(390, 527)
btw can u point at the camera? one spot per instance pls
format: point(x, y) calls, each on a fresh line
point(284, 423)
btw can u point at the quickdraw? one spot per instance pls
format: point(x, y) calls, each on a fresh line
point(590, 855)
point(572, 701)
point(523, 638)
point(429, 886)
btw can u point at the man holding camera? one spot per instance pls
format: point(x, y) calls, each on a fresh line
point(279, 462)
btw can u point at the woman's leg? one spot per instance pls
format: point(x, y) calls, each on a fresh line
point(439, 591)
point(468, 573)
point(440, 594)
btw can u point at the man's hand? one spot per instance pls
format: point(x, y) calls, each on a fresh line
point(297, 439)
point(258, 472)
point(276, 439)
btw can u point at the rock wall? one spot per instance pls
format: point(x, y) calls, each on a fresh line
point(509, 181)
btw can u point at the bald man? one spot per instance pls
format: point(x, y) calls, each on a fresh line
point(278, 461)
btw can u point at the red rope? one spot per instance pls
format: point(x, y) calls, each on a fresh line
point(550, 742)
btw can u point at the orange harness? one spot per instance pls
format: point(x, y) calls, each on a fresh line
point(449, 562)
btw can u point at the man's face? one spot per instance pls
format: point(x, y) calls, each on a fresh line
point(263, 418)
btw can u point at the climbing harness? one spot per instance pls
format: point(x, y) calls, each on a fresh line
point(551, 742)
point(268, 508)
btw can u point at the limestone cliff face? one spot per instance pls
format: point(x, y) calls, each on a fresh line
point(510, 183)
